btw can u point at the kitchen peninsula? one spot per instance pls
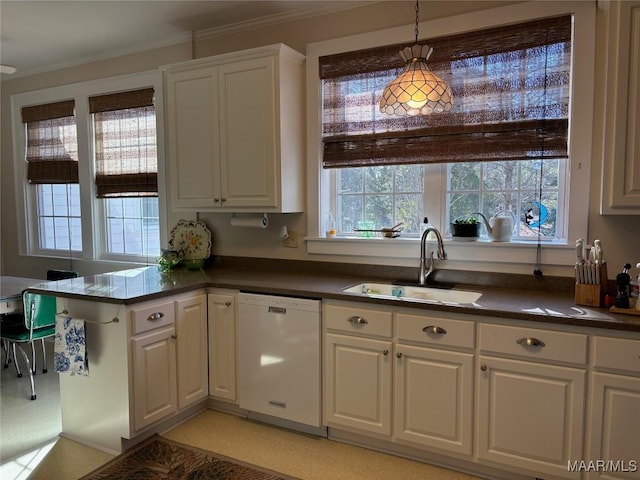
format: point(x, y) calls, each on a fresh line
point(147, 335)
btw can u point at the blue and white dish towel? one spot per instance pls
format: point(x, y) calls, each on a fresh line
point(70, 351)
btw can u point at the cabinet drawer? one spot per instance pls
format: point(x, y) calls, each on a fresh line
point(149, 316)
point(436, 331)
point(358, 320)
point(555, 346)
point(617, 354)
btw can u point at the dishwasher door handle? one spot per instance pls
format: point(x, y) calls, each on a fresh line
point(281, 310)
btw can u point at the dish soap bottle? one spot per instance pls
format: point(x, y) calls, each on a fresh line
point(330, 226)
point(423, 226)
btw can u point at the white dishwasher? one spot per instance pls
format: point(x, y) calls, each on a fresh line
point(279, 372)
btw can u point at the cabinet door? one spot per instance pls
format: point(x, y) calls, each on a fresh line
point(222, 346)
point(615, 426)
point(434, 398)
point(154, 376)
point(530, 415)
point(621, 171)
point(248, 133)
point(193, 138)
point(193, 368)
point(358, 383)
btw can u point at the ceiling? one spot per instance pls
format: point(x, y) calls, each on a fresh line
point(38, 36)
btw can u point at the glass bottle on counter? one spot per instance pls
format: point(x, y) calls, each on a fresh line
point(330, 226)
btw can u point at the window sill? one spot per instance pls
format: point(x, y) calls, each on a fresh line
point(482, 253)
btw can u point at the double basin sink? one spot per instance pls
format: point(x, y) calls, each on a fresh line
point(414, 294)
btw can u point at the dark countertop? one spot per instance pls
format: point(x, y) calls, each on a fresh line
point(313, 280)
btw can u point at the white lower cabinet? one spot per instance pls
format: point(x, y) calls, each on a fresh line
point(433, 394)
point(154, 376)
point(169, 351)
point(433, 398)
point(507, 396)
point(530, 412)
point(615, 410)
point(358, 383)
point(222, 345)
point(530, 415)
point(192, 350)
point(396, 388)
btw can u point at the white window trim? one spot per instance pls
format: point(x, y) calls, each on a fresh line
point(92, 217)
point(482, 254)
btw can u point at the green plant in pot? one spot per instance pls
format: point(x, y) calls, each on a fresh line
point(466, 227)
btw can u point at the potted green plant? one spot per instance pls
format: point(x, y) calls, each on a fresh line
point(467, 228)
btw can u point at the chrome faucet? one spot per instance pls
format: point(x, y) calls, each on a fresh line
point(425, 271)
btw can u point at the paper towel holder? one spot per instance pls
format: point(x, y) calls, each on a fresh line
point(250, 220)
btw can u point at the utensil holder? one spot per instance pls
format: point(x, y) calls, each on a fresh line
point(591, 295)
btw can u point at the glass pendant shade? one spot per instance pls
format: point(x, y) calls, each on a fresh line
point(417, 91)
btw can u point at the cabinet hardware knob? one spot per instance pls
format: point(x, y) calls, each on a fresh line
point(174, 336)
point(357, 319)
point(216, 200)
point(399, 355)
point(434, 329)
point(227, 303)
point(483, 368)
point(155, 316)
point(223, 199)
point(530, 342)
point(385, 352)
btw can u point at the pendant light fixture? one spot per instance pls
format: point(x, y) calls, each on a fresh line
point(417, 91)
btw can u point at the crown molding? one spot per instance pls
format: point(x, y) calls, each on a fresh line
point(279, 18)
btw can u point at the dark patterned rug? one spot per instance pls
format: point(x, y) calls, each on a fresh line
point(158, 458)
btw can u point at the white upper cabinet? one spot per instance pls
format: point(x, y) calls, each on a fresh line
point(621, 161)
point(236, 131)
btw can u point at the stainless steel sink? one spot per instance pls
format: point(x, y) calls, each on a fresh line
point(414, 294)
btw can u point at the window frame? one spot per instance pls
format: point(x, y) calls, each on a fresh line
point(403, 251)
point(92, 208)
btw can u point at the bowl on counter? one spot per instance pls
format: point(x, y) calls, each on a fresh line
point(169, 259)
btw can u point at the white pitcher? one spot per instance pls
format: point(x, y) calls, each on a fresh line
point(500, 226)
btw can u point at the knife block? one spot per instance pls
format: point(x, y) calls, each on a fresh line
point(591, 295)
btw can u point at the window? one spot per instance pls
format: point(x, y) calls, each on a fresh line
point(505, 141)
point(572, 173)
point(378, 197)
point(52, 171)
point(59, 219)
point(133, 226)
point(92, 191)
point(126, 171)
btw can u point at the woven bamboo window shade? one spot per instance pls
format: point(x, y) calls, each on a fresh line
point(52, 143)
point(125, 144)
point(511, 88)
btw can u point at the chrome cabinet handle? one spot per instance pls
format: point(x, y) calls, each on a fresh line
point(155, 316)
point(530, 342)
point(357, 319)
point(385, 352)
point(435, 330)
point(227, 303)
point(399, 355)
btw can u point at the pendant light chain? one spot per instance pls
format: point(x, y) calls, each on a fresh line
point(417, 19)
point(417, 90)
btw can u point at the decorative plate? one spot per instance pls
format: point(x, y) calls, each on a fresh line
point(192, 237)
